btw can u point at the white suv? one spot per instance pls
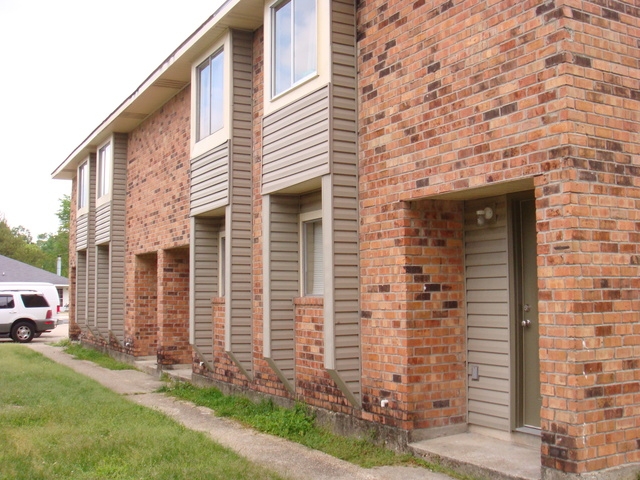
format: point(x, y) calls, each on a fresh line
point(24, 314)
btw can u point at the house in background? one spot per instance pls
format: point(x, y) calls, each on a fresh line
point(422, 217)
point(12, 271)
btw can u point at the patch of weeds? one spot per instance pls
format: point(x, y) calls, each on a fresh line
point(298, 425)
point(99, 358)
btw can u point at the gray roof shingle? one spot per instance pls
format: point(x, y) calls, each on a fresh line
point(14, 271)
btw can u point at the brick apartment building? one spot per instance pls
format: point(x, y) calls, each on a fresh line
point(423, 216)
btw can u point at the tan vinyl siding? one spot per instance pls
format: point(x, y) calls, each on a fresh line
point(238, 229)
point(487, 300)
point(284, 283)
point(206, 274)
point(296, 142)
point(102, 290)
point(82, 232)
point(103, 223)
point(81, 287)
point(91, 249)
point(344, 168)
point(210, 180)
point(117, 247)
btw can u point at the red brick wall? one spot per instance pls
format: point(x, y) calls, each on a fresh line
point(74, 329)
point(313, 383)
point(173, 307)
point(413, 328)
point(157, 205)
point(456, 95)
point(157, 221)
point(141, 329)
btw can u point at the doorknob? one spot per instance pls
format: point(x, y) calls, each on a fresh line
point(526, 323)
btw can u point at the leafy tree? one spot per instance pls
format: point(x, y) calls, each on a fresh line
point(57, 245)
point(17, 243)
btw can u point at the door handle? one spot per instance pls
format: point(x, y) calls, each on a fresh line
point(526, 323)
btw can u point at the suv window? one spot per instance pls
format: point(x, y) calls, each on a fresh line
point(34, 301)
point(6, 301)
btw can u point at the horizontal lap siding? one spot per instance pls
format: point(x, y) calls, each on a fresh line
point(102, 290)
point(210, 180)
point(81, 287)
point(103, 223)
point(239, 232)
point(206, 277)
point(117, 247)
point(345, 196)
point(487, 299)
point(82, 232)
point(91, 249)
point(296, 142)
point(284, 283)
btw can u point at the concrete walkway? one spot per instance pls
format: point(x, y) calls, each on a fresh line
point(481, 458)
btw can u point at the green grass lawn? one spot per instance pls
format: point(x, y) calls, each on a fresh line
point(57, 424)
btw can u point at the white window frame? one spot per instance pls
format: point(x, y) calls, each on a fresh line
point(83, 188)
point(311, 82)
point(104, 172)
point(215, 84)
point(200, 146)
point(311, 281)
point(309, 35)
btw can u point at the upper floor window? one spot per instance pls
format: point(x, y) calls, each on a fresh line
point(104, 170)
point(294, 41)
point(210, 76)
point(83, 186)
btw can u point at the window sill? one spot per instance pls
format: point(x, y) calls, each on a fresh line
point(309, 301)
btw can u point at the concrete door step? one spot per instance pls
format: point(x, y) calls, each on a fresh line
point(482, 456)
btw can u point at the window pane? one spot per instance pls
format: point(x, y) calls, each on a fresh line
point(210, 95)
point(34, 301)
point(204, 107)
point(6, 301)
point(216, 103)
point(83, 193)
point(314, 270)
point(104, 170)
point(304, 39)
point(282, 39)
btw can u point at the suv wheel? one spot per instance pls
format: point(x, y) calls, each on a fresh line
point(22, 332)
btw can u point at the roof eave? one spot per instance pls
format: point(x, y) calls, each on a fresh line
point(173, 75)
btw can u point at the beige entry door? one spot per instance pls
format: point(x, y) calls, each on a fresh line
point(528, 399)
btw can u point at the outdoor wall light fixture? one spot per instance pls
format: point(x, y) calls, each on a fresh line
point(485, 216)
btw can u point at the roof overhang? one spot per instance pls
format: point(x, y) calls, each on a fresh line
point(167, 80)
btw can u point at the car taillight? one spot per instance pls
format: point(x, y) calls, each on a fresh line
point(49, 314)
point(57, 308)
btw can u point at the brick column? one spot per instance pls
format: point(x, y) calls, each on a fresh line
point(413, 331)
point(588, 227)
point(173, 307)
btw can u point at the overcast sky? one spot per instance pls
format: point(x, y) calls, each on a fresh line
point(66, 65)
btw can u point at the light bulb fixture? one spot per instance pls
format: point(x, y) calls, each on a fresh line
point(486, 215)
